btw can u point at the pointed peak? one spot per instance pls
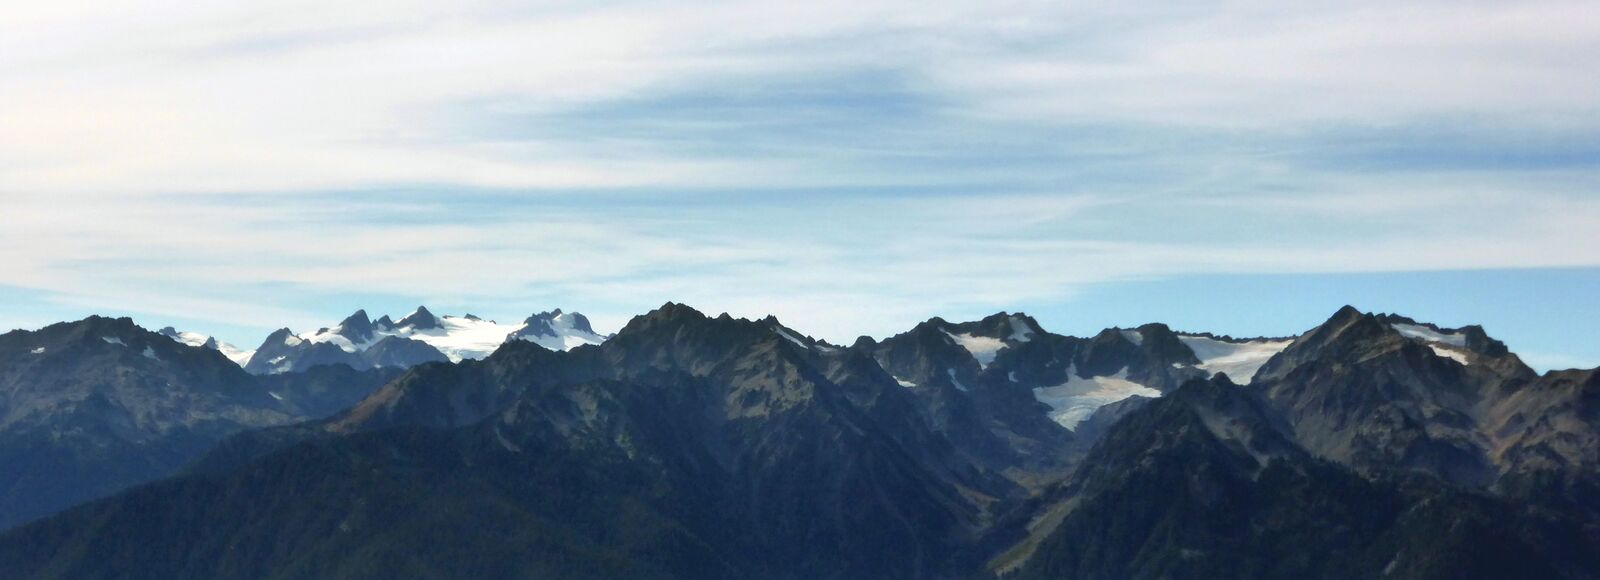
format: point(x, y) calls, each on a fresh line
point(1000, 316)
point(935, 324)
point(669, 314)
point(384, 322)
point(1348, 318)
point(1346, 313)
point(674, 310)
point(357, 326)
point(168, 332)
point(1021, 321)
point(548, 315)
point(422, 319)
point(358, 316)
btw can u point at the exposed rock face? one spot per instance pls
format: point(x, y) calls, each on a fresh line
point(91, 407)
point(777, 459)
point(712, 447)
point(1206, 483)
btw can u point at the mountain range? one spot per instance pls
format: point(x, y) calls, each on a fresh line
point(696, 446)
point(420, 337)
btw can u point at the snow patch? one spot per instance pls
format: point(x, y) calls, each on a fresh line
point(1450, 345)
point(150, 353)
point(1426, 334)
point(982, 348)
point(195, 339)
point(189, 338)
point(239, 357)
point(1075, 400)
point(799, 341)
point(1134, 336)
point(1450, 353)
point(275, 395)
point(954, 380)
point(904, 383)
point(506, 443)
point(1021, 331)
point(792, 338)
point(39, 350)
point(1240, 360)
point(113, 340)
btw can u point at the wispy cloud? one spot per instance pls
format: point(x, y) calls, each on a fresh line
point(851, 164)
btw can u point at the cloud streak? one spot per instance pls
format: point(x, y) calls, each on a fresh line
point(851, 164)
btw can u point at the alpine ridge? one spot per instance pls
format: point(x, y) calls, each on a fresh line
point(417, 338)
point(695, 446)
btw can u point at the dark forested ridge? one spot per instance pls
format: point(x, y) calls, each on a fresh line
point(92, 407)
point(688, 446)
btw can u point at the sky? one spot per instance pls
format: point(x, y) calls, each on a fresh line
point(851, 167)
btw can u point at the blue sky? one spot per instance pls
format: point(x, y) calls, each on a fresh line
point(851, 167)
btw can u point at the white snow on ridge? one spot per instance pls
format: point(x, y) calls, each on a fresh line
point(904, 383)
point(463, 338)
point(787, 334)
point(567, 337)
point(1452, 354)
point(190, 338)
point(1426, 334)
point(792, 338)
point(460, 337)
point(982, 348)
point(1450, 345)
point(1240, 360)
point(1021, 331)
point(1134, 336)
point(239, 357)
point(1075, 400)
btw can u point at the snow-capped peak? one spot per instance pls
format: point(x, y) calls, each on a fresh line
point(422, 319)
point(1021, 329)
point(459, 337)
point(557, 330)
point(986, 338)
point(238, 356)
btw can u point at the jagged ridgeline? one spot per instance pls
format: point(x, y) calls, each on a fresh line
point(691, 446)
